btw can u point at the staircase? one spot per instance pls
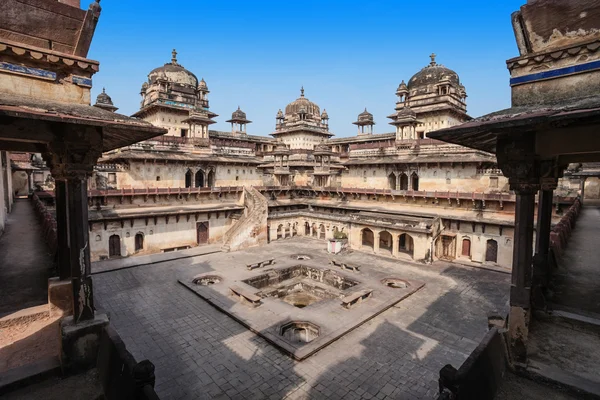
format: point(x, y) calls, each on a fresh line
point(251, 229)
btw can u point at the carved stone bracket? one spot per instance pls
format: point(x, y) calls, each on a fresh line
point(517, 160)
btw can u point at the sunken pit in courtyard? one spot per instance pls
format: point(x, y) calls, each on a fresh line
point(301, 285)
point(300, 308)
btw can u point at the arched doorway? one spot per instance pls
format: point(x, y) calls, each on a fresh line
point(139, 241)
point(406, 244)
point(279, 231)
point(491, 251)
point(385, 242)
point(188, 179)
point(211, 178)
point(415, 181)
point(367, 238)
point(403, 182)
point(315, 232)
point(321, 231)
point(202, 233)
point(199, 179)
point(114, 246)
point(306, 229)
point(295, 229)
point(466, 248)
point(392, 181)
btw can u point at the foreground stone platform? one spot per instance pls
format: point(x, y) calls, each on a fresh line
point(305, 306)
point(200, 352)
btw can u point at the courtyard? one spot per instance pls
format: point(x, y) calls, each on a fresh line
point(201, 352)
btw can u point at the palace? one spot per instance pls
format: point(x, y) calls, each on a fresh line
point(399, 194)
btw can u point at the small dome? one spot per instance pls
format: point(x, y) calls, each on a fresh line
point(431, 75)
point(103, 98)
point(302, 105)
point(238, 114)
point(402, 88)
point(174, 72)
point(365, 116)
point(280, 113)
point(324, 114)
point(202, 84)
point(406, 112)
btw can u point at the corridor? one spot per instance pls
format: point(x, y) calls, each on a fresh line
point(577, 280)
point(25, 262)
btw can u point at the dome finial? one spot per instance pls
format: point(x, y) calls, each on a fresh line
point(302, 91)
point(174, 57)
point(433, 56)
point(104, 90)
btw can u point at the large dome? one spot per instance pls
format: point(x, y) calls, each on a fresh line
point(431, 75)
point(302, 105)
point(174, 72)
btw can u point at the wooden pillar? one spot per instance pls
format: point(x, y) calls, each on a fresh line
point(62, 229)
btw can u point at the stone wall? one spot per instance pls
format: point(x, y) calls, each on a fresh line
point(157, 237)
point(141, 175)
point(478, 235)
point(465, 178)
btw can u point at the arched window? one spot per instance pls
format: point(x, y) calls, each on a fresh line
point(322, 231)
point(403, 182)
point(491, 251)
point(199, 179)
point(139, 241)
point(415, 181)
point(392, 181)
point(188, 179)
point(279, 231)
point(306, 229)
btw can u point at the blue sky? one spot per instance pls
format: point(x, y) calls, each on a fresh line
point(348, 55)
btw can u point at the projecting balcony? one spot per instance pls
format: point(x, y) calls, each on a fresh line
point(322, 170)
point(281, 171)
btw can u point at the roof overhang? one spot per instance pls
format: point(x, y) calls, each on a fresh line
point(567, 131)
point(28, 124)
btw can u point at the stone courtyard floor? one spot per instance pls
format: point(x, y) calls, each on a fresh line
point(201, 353)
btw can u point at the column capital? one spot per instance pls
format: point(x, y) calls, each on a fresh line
point(517, 160)
point(68, 162)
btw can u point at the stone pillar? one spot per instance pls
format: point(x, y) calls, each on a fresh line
point(29, 183)
point(77, 200)
point(583, 179)
point(62, 229)
point(516, 158)
point(542, 245)
point(520, 289)
point(395, 245)
point(376, 241)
